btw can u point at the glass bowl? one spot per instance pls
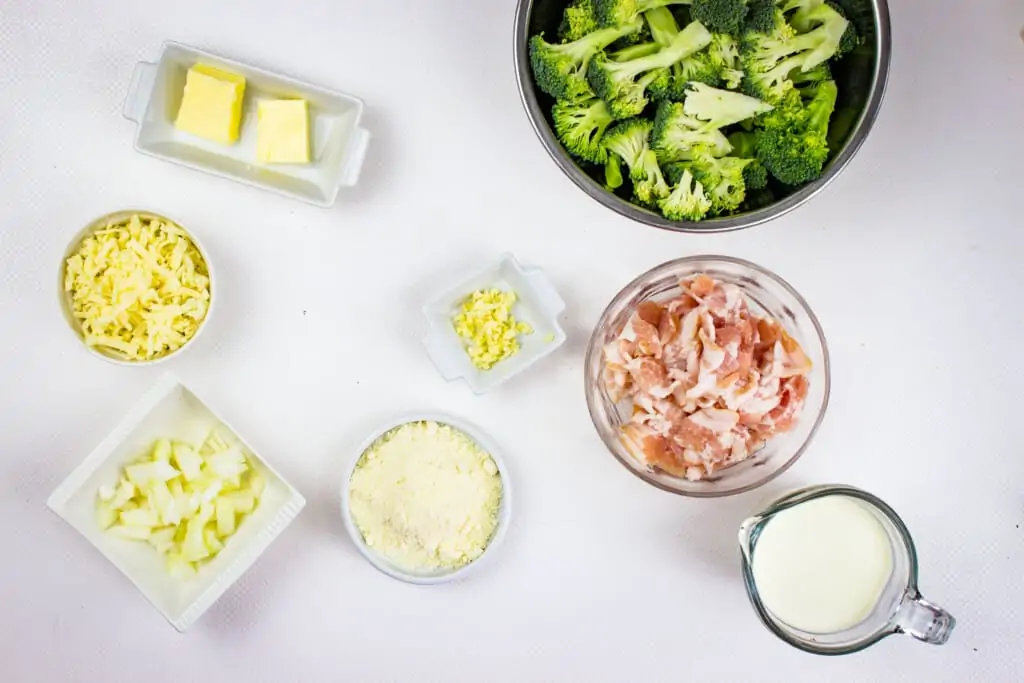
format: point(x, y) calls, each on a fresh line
point(767, 294)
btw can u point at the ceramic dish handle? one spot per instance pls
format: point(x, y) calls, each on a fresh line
point(355, 156)
point(139, 90)
point(441, 355)
point(546, 292)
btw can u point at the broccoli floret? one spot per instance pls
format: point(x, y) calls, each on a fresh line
point(744, 146)
point(724, 55)
point(800, 9)
point(757, 199)
point(618, 12)
point(621, 85)
point(720, 108)
point(769, 58)
point(850, 39)
point(760, 16)
point(792, 141)
point(696, 67)
point(675, 134)
point(722, 178)
point(580, 124)
point(577, 21)
point(721, 16)
point(687, 201)
point(649, 184)
point(628, 140)
point(560, 69)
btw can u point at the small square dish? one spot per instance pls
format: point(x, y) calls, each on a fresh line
point(337, 142)
point(171, 411)
point(538, 305)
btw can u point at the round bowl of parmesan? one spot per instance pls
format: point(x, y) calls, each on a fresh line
point(427, 498)
point(135, 287)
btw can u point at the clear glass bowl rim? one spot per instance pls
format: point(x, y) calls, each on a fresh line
point(671, 268)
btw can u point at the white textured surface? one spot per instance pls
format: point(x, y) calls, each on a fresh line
point(911, 259)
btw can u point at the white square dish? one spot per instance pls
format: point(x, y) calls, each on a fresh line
point(538, 304)
point(337, 142)
point(171, 410)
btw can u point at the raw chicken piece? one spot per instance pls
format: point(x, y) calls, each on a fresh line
point(709, 381)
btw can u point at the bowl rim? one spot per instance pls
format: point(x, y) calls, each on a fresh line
point(623, 293)
point(858, 134)
point(504, 512)
point(65, 298)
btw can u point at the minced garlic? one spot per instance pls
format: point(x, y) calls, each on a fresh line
point(488, 328)
point(139, 288)
point(426, 497)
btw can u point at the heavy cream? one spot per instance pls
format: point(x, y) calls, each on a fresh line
point(821, 566)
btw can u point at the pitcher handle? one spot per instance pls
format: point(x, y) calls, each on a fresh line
point(925, 621)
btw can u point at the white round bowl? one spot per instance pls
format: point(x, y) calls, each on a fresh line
point(439, 576)
point(65, 297)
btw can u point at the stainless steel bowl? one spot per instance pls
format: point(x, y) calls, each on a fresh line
point(862, 77)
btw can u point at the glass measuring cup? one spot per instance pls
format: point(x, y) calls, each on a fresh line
point(899, 608)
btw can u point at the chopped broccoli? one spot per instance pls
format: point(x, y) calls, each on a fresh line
point(744, 146)
point(675, 134)
point(628, 140)
point(577, 21)
point(580, 124)
point(724, 54)
point(695, 67)
point(634, 52)
point(792, 141)
point(769, 58)
point(612, 172)
point(687, 201)
point(721, 108)
point(760, 16)
point(560, 69)
point(722, 178)
point(850, 40)
point(663, 25)
point(618, 12)
point(800, 9)
point(621, 85)
point(649, 184)
point(758, 199)
point(721, 16)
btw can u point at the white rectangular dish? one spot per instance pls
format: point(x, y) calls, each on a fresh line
point(171, 410)
point(337, 142)
point(538, 305)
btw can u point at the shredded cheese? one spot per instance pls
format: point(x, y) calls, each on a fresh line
point(139, 288)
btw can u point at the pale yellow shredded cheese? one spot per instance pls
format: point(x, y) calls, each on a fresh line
point(139, 288)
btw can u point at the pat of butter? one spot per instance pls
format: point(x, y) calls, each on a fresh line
point(211, 106)
point(282, 132)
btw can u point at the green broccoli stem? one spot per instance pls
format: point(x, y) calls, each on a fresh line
point(663, 25)
point(691, 39)
point(821, 107)
point(612, 172)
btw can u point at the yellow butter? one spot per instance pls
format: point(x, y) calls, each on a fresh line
point(282, 132)
point(211, 106)
point(426, 497)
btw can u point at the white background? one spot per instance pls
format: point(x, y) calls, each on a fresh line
point(911, 260)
